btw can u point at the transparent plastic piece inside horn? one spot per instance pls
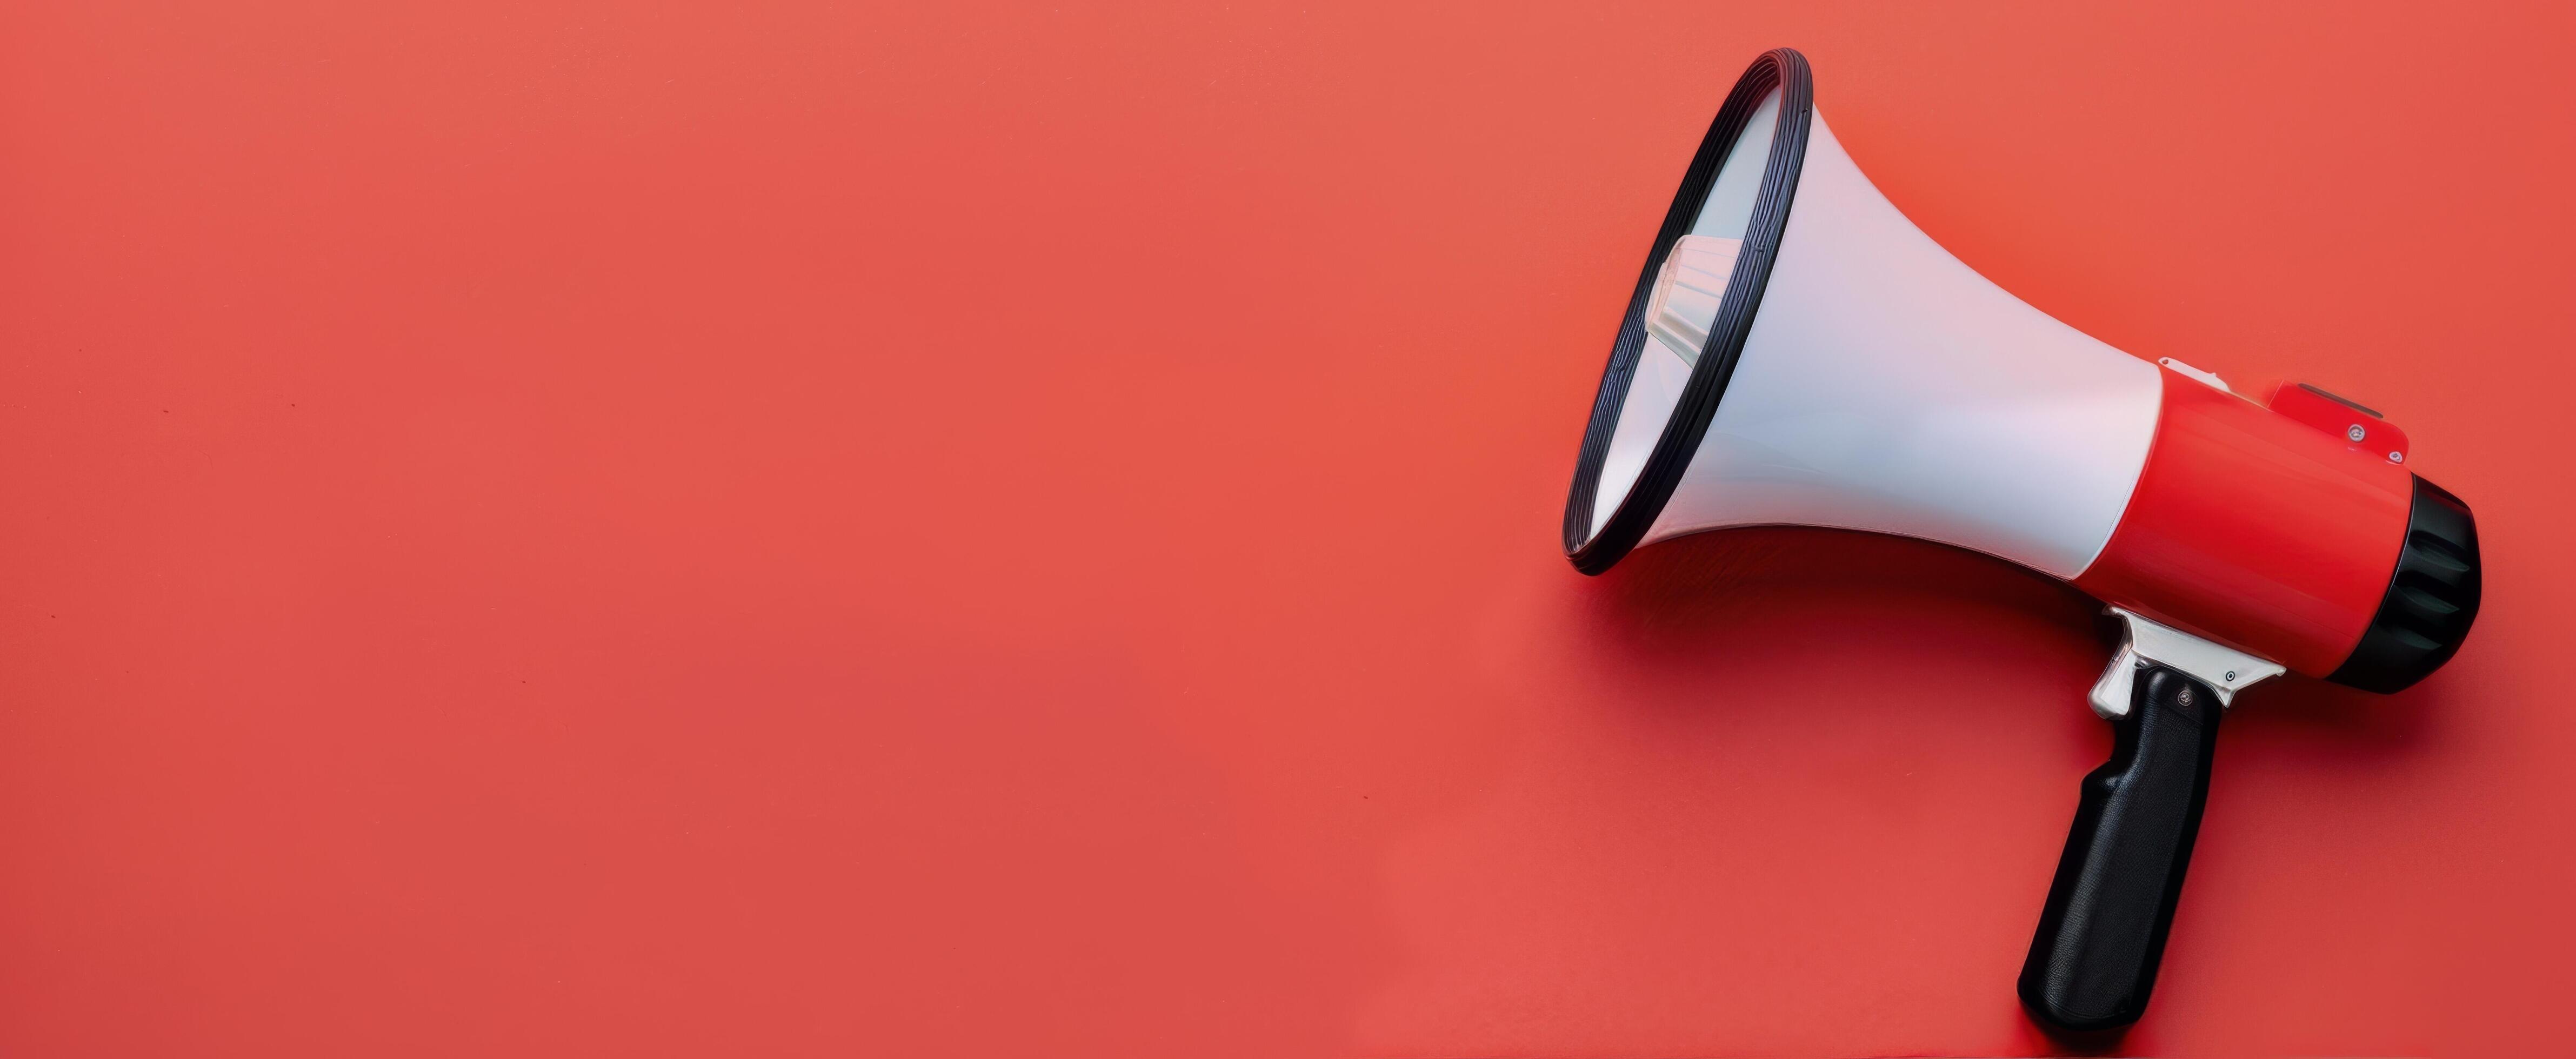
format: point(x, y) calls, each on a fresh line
point(1688, 293)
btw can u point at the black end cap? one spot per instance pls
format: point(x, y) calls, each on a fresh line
point(2431, 600)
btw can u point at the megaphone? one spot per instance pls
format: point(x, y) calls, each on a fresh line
point(1797, 353)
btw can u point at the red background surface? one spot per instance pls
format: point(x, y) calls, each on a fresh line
point(799, 529)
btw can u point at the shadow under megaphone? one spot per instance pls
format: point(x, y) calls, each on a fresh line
point(1704, 607)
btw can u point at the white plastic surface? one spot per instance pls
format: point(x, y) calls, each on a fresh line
point(1653, 389)
point(1886, 386)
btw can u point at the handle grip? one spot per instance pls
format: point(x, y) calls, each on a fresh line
point(2102, 932)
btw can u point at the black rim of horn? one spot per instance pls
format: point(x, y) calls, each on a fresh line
point(1593, 553)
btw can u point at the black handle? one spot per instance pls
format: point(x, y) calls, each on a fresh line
point(2103, 929)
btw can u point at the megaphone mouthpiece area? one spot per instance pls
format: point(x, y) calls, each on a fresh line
point(1689, 291)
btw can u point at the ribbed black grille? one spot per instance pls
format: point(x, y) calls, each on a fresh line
point(2431, 601)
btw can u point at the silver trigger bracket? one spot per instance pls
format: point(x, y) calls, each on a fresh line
point(2144, 641)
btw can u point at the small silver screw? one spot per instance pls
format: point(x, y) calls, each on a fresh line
point(2356, 433)
point(2231, 676)
point(2184, 698)
point(2397, 457)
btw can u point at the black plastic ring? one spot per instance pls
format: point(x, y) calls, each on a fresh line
point(1593, 553)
